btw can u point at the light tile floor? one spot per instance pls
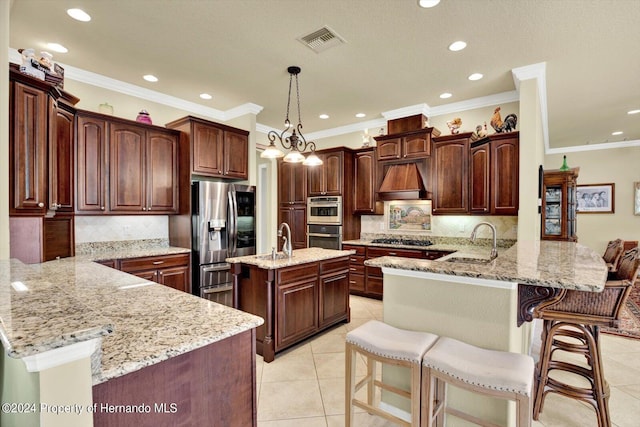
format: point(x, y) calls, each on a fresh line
point(304, 386)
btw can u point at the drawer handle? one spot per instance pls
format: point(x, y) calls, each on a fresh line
point(158, 262)
point(352, 269)
point(393, 253)
point(352, 281)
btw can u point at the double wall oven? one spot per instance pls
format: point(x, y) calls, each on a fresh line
point(324, 222)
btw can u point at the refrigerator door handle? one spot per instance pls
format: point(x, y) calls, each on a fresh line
point(233, 217)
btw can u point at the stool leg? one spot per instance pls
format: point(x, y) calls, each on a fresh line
point(416, 376)
point(350, 383)
point(600, 385)
point(542, 369)
point(523, 411)
point(371, 372)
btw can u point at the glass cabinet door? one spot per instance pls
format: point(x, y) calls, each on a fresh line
point(553, 211)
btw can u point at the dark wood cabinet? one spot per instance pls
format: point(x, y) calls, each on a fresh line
point(326, 179)
point(493, 173)
point(407, 145)
point(297, 306)
point(91, 164)
point(333, 291)
point(292, 183)
point(213, 149)
point(161, 167)
point(126, 168)
point(450, 166)
point(559, 205)
point(364, 177)
point(296, 217)
point(61, 161)
point(168, 270)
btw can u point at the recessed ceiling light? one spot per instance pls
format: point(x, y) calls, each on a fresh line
point(150, 78)
point(205, 96)
point(445, 95)
point(475, 76)
point(456, 46)
point(633, 112)
point(79, 15)
point(428, 3)
point(57, 47)
point(618, 132)
point(324, 116)
point(361, 115)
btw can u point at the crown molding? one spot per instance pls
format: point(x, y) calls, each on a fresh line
point(594, 147)
point(407, 111)
point(539, 73)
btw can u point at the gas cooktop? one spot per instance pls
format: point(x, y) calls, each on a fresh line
point(406, 242)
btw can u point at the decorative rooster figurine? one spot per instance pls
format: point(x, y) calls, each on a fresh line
point(508, 125)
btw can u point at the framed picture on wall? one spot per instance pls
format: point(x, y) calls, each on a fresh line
point(596, 198)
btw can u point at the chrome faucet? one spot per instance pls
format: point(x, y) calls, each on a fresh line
point(286, 246)
point(494, 249)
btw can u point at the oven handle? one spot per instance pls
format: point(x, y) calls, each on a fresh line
point(221, 267)
point(217, 289)
point(322, 235)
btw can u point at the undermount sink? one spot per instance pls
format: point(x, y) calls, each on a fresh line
point(468, 260)
point(269, 257)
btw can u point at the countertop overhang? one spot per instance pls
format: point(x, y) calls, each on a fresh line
point(299, 256)
point(563, 265)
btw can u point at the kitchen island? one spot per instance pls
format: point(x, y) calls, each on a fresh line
point(297, 297)
point(469, 297)
point(81, 335)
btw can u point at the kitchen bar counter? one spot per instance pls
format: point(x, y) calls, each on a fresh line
point(72, 300)
point(299, 256)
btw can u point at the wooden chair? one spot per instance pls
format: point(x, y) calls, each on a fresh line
point(613, 253)
point(382, 343)
point(492, 373)
point(572, 325)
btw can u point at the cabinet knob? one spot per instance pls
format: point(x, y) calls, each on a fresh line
point(101, 208)
point(41, 205)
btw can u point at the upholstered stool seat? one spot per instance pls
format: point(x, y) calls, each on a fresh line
point(382, 343)
point(489, 372)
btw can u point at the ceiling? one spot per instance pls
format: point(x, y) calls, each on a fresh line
point(395, 54)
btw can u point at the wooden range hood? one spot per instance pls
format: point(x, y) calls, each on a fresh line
point(402, 182)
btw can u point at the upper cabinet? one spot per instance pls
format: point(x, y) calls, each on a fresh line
point(450, 162)
point(125, 167)
point(292, 183)
point(493, 174)
point(407, 145)
point(559, 205)
point(326, 179)
point(214, 150)
point(364, 177)
point(41, 152)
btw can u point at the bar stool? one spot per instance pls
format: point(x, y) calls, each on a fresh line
point(382, 343)
point(572, 325)
point(492, 373)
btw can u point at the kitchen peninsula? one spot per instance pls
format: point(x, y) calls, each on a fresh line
point(78, 333)
point(297, 296)
point(470, 297)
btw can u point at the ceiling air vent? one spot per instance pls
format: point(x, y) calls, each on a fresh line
point(322, 39)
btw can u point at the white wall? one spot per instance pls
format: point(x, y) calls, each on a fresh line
point(620, 166)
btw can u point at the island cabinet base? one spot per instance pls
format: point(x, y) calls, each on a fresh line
point(295, 302)
point(213, 385)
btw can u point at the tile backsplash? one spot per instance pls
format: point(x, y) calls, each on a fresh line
point(115, 228)
point(449, 226)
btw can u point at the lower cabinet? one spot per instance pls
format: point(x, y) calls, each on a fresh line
point(296, 217)
point(37, 239)
point(168, 270)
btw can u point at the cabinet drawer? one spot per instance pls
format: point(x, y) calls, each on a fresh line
point(357, 269)
point(108, 263)
point(297, 273)
point(356, 260)
point(374, 271)
point(374, 285)
point(407, 253)
point(356, 282)
point(360, 250)
point(157, 262)
point(334, 265)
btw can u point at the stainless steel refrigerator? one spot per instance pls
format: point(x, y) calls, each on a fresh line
point(223, 225)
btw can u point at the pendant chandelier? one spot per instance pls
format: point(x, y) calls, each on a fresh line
point(296, 142)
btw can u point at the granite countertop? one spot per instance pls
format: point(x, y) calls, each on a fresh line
point(299, 256)
point(542, 263)
point(141, 322)
point(102, 251)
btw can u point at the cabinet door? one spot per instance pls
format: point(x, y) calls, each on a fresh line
point(176, 278)
point(28, 173)
point(208, 144)
point(58, 237)
point(332, 173)
point(389, 149)
point(315, 178)
point(334, 298)
point(162, 172)
point(151, 275)
point(292, 183)
point(364, 189)
point(296, 311)
point(236, 155)
point(127, 168)
point(296, 217)
point(416, 145)
point(479, 175)
point(91, 151)
point(61, 161)
point(504, 176)
point(450, 179)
